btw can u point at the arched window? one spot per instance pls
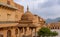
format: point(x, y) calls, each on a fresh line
point(58, 27)
point(53, 27)
point(8, 33)
point(8, 2)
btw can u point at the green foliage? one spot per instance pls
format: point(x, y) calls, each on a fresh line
point(54, 33)
point(44, 31)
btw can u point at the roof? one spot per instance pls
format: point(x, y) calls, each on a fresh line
point(6, 5)
point(28, 16)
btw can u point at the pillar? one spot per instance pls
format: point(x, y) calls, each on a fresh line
point(23, 32)
point(19, 33)
point(35, 32)
point(20, 29)
point(31, 32)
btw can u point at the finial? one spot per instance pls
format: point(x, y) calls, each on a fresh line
point(27, 8)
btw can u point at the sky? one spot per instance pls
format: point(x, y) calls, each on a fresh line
point(44, 8)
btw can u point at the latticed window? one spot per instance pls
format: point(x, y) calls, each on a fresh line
point(8, 2)
point(8, 33)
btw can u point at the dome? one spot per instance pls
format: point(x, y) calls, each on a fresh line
point(27, 16)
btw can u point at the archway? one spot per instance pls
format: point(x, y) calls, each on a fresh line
point(9, 33)
point(16, 32)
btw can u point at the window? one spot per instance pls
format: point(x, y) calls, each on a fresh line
point(8, 33)
point(8, 14)
point(8, 2)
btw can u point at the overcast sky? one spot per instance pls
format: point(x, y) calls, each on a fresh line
point(43, 8)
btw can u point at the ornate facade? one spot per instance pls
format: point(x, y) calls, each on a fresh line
point(54, 27)
point(15, 23)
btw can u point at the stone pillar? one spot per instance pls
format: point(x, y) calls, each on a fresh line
point(23, 30)
point(31, 32)
point(20, 33)
point(35, 33)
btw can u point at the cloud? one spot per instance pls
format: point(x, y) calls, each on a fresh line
point(43, 8)
point(50, 9)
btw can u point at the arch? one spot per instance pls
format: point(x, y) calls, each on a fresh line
point(21, 29)
point(9, 33)
point(58, 27)
point(53, 28)
point(16, 31)
point(25, 29)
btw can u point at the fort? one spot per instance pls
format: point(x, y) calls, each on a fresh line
point(14, 22)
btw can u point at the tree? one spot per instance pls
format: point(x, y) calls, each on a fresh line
point(44, 31)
